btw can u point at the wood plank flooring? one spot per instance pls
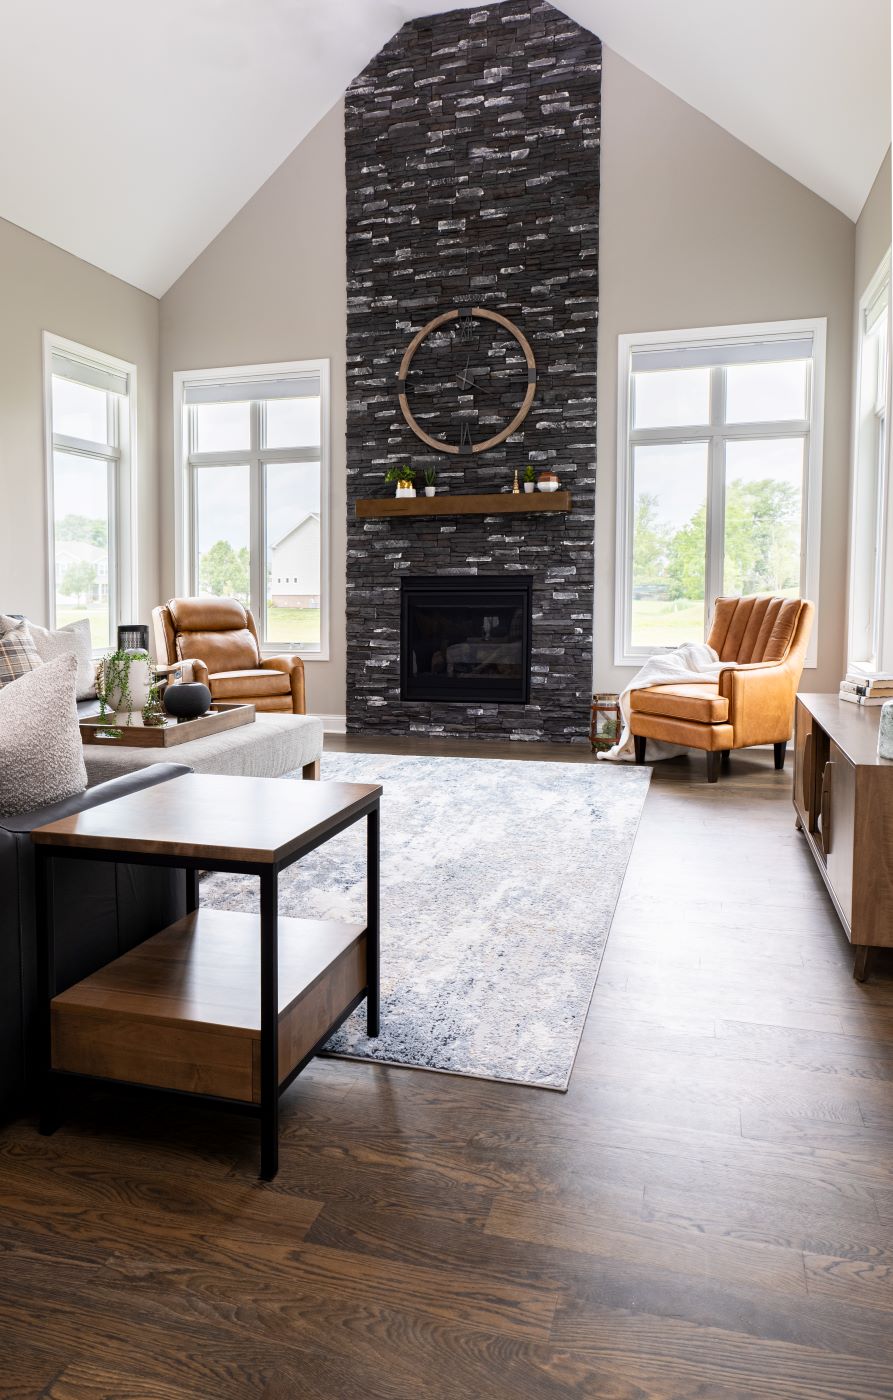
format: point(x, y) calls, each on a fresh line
point(707, 1214)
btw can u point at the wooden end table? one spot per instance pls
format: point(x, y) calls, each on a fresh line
point(227, 1006)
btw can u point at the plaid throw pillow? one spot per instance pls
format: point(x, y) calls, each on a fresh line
point(18, 654)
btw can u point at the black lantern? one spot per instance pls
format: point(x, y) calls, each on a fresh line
point(133, 636)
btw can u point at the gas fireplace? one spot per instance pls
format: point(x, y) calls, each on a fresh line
point(465, 639)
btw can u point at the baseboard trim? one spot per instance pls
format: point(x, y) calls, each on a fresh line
point(333, 724)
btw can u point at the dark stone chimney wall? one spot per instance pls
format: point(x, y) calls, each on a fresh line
point(472, 146)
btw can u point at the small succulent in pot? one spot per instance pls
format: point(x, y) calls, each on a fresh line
point(404, 477)
point(529, 479)
point(430, 481)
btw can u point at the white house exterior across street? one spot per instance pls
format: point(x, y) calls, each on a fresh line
point(295, 566)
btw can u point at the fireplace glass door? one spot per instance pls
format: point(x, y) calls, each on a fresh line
point(466, 639)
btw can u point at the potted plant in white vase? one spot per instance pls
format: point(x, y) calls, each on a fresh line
point(123, 682)
point(430, 481)
point(529, 479)
point(404, 477)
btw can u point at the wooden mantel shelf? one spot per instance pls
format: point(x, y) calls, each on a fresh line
point(497, 503)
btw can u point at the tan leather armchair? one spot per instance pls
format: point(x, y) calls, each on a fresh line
point(764, 641)
point(219, 637)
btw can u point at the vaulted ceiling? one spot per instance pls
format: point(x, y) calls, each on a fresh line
point(132, 133)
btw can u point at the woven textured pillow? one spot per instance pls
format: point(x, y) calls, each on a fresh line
point(41, 754)
point(18, 652)
point(73, 639)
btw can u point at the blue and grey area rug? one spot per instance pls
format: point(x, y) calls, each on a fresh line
point(499, 882)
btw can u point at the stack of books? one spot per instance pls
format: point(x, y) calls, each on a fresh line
point(867, 687)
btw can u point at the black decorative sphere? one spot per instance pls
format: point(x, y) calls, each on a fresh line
point(187, 701)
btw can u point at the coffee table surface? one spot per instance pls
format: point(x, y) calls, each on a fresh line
point(200, 815)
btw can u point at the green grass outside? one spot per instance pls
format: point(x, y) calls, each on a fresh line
point(298, 626)
point(657, 623)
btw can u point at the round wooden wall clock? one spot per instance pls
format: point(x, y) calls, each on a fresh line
point(465, 388)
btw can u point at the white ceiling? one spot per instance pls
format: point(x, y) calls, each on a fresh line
point(133, 132)
point(804, 82)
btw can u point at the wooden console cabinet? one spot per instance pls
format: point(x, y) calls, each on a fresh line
point(843, 796)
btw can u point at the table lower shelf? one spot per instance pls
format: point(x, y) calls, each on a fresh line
point(182, 1010)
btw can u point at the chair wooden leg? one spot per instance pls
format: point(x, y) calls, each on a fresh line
point(712, 765)
point(726, 763)
point(780, 750)
point(862, 964)
point(639, 742)
point(310, 771)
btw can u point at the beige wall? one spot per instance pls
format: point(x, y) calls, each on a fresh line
point(272, 287)
point(699, 230)
point(873, 230)
point(43, 288)
point(873, 235)
point(696, 230)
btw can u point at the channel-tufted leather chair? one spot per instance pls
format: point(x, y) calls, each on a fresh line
point(219, 637)
point(764, 641)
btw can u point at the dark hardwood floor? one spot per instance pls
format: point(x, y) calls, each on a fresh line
point(706, 1214)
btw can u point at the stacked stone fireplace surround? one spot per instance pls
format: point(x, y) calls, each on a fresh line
point(472, 149)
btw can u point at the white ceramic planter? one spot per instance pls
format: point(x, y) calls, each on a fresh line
point(529, 487)
point(430, 490)
point(140, 683)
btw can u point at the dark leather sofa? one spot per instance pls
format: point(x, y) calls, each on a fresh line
point(102, 910)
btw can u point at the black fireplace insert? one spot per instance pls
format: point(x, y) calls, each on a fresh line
point(465, 638)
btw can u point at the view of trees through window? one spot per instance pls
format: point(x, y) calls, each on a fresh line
point(85, 417)
point(278, 440)
point(696, 487)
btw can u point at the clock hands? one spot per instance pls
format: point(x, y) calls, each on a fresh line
point(468, 378)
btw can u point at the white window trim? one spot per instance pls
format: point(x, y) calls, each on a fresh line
point(123, 531)
point(624, 654)
point(184, 513)
point(884, 621)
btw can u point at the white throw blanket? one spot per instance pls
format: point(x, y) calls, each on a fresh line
point(691, 663)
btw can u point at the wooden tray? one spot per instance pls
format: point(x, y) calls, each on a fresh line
point(221, 716)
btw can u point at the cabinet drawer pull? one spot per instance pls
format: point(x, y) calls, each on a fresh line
point(827, 777)
point(808, 778)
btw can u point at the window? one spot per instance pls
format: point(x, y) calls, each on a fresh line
point(90, 400)
point(252, 474)
point(870, 492)
point(719, 476)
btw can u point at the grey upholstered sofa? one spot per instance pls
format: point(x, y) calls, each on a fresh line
point(102, 910)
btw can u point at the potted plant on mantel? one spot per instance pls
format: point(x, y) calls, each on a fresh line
point(529, 479)
point(404, 477)
point(430, 481)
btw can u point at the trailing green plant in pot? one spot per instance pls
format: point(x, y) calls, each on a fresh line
point(122, 684)
point(430, 481)
point(404, 477)
point(529, 479)
point(154, 713)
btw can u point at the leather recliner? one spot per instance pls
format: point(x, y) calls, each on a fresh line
point(752, 702)
point(219, 637)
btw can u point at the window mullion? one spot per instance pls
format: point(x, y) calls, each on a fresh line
point(113, 582)
point(256, 531)
point(715, 495)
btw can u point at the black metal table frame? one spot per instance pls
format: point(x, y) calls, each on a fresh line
point(268, 872)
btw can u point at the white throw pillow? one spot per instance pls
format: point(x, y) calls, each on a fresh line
point(41, 754)
point(73, 639)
